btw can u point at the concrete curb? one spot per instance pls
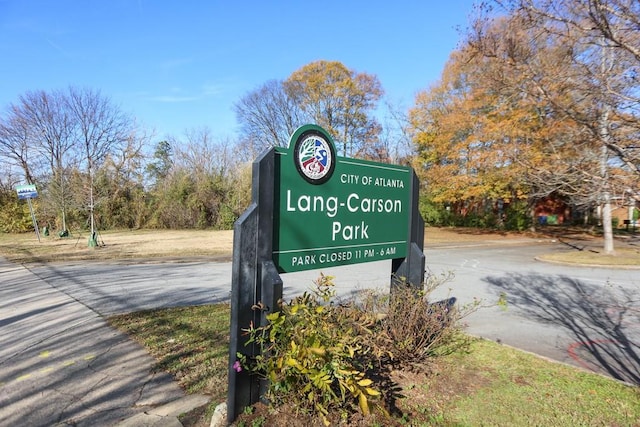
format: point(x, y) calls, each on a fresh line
point(577, 264)
point(165, 415)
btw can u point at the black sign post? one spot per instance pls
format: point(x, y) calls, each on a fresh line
point(254, 280)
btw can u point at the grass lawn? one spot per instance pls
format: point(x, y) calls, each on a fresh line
point(490, 384)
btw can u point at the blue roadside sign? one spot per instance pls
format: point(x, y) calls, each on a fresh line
point(26, 191)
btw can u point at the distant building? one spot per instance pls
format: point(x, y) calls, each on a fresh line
point(628, 215)
point(552, 210)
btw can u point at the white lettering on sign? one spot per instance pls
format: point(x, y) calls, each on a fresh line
point(331, 205)
point(306, 203)
point(354, 204)
point(335, 257)
point(349, 232)
point(349, 179)
point(303, 260)
point(346, 178)
point(388, 182)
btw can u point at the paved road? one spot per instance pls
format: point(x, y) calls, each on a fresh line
point(589, 317)
point(51, 321)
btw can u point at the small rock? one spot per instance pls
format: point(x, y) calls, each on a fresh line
point(219, 418)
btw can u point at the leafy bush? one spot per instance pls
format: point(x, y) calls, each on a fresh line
point(14, 214)
point(435, 214)
point(517, 216)
point(328, 358)
point(312, 354)
point(477, 220)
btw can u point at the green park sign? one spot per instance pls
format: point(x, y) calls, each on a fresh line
point(311, 210)
point(356, 211)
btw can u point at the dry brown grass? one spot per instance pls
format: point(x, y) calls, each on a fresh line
point(114, 245)
point(140, 244)
point(621, 257)
point(129, 244)
point(218, 245)
point(436, 235)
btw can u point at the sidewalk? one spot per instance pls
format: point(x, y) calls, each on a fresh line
point(61, 364)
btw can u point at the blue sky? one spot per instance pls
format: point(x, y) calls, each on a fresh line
point(177, 65)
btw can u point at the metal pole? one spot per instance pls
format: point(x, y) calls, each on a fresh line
point(33, 218)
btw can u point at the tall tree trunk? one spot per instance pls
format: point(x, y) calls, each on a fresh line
point(62, 196)
point(605, 140)
point(607, 226)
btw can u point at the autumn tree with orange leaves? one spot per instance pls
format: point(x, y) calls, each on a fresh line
point(474, 138)
point(542, 98)
point(580, 59)
point(342, 101)
point(326, 93)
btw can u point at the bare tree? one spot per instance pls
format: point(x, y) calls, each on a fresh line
point(603, 39)
point(395, 137)
point(15, 136)
point(323, 92)
point(201, 153)
point(100, 127)
point(119, 184)
point(268, 115)
point(37, 131)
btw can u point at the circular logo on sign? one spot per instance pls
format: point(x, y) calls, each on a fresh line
point(314, 157)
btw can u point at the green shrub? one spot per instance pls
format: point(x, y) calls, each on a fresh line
point(312, 354)
point(435, 214)
point(517, 216)
point(326, 358)
point(14, 214)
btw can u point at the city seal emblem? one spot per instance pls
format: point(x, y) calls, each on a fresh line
point(314, 156)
